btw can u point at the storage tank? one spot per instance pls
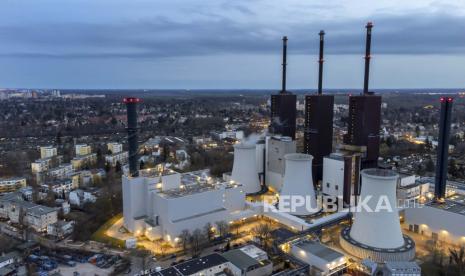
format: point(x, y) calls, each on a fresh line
point(245, 169)
point(298, 182)
point(376, 232)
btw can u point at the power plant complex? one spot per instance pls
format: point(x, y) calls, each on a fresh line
point(162, 203)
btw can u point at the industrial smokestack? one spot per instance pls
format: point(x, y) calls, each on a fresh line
point(443, 149)
point(369, 26)
point(131, 106)
point(320, 61)
point(283, 88)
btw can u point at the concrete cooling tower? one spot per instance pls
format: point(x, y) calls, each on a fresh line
point(245, 169)
point(376, 233)
point(298, 182)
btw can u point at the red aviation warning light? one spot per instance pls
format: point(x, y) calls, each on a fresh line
point(131, 100)
point(448, 99)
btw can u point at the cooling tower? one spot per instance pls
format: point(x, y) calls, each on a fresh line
point(298, 183)
point(376, 231)
point(245, 169)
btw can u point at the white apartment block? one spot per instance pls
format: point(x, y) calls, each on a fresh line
point(41, 165)
point(82, 149)
point(62, 171)
point(12, 184)
point(115, 147)
point(80, 161)
point(17, 210)
point(48, 152)
point(114, 158)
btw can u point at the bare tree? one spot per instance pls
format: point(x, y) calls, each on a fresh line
point(458, 257)
point(196, 241)
point(185, 236)
point(262, 232)
point(223, 227)
point(208, 231)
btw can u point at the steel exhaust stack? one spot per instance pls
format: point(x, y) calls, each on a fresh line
point(443, 149)
point(284, 64)
point(320, 61)
point(131, 106)
point(369, 26)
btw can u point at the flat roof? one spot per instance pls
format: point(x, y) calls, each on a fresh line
point(170, 271)
point(454, 204)
point(319, 250)
point(193, 266)
point(197, 182)
point(238, 258)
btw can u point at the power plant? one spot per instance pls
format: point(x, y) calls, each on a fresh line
point(376, 233)
point(298, 182)
point(162, 203)
point(245, 170)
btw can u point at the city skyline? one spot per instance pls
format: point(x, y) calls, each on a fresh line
point(228, 45)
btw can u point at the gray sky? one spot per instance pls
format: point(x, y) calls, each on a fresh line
point(229, 43)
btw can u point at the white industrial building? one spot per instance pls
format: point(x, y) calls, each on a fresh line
point(341, 176)
point(322, 259)
point(162, 204)
point(439, 221)
point(276, 148)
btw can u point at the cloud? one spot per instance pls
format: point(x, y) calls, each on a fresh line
point(232, 29)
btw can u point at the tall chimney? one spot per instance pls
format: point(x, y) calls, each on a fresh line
point(443, 149)
point(131, 105)
point(320, 61)
point(369, 26)
point(283, 89)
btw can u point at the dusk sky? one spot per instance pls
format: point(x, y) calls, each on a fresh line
point(228, 43)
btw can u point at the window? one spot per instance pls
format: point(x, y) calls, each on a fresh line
point(327, 184)
point(336, 187)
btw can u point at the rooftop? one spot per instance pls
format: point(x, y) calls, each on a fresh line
point(319, 250)
point(197, 182)
point(238, 258)
point(193, 266)
point(170, 271)
point(454, 204)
